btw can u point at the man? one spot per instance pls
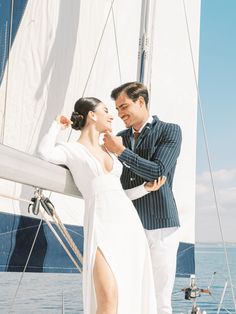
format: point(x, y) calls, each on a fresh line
point(149, 150)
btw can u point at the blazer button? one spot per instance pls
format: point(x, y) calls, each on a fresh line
point(132, 179)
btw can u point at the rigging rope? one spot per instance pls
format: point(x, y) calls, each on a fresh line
point(116, 41)
point(99, 44)
point(57, 221)
point(4, 55)
point(59, 239)
point(15, 198)
point(67, 236)
point(55, 216)
point(26, 264)
point(96, 53)
point(63, 230)
point(49, 208)
point(209, 291)
point(13, 226)
point(7, 75)
point(208, 156)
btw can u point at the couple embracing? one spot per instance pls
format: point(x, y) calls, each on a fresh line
point(131, 220)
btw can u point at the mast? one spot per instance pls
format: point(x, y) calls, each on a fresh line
point(145, 42)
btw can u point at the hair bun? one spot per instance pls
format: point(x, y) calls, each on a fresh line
point(78, 120)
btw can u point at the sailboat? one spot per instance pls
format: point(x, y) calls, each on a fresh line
point(54, 52)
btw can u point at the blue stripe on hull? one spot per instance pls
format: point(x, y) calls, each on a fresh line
point(185, 260)
point(17, 234)
point(16, 237)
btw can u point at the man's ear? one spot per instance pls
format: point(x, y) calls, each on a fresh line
point(141, 101)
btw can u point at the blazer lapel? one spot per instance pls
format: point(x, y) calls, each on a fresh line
point(127, 139)
point(143, 134)
point(148, 129)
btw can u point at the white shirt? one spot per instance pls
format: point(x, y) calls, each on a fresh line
point(149, 120)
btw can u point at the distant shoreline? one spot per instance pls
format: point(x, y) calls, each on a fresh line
point(219, 244)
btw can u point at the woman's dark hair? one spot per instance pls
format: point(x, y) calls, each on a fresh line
point(133, 90)
point(81, 110)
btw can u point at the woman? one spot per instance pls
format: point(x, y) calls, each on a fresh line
point(117, 271)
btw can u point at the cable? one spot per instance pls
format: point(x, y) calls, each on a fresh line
point(208, 157)
point(26, 264)
point(4, 57)
point(7, 75)
point(116, 41)
point(12, 228)
point(100, 40)
point(59, 239)
point(94, 58)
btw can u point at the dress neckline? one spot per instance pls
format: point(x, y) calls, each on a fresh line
point(97, 160)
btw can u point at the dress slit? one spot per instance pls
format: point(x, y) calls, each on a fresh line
point(108, 268)
point(111, 223)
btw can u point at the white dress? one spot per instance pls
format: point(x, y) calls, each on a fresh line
point(111, 224)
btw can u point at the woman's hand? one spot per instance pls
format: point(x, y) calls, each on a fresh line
point(63, 121)
point(155, 185)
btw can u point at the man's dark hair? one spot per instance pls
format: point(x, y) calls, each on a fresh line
point(133, 90)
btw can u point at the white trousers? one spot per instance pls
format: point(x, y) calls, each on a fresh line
point(163, 245)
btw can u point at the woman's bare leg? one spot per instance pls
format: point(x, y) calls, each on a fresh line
point(105, 286)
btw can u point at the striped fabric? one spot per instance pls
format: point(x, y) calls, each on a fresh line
point(155, 154)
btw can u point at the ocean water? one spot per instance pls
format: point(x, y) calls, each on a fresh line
point(62, 293)
point(211, 269)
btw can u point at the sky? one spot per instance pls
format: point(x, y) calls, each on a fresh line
point(217, 85)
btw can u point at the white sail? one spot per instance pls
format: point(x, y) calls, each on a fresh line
point(174, 98)
point(66, 49)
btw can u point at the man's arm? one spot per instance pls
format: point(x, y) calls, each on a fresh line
point(145, 188)
point(163, 158)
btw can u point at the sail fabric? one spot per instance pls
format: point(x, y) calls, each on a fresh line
point(63, 50)
point(51, 60)
point(174, 98)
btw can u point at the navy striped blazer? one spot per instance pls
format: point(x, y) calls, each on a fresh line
point(154, 154)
